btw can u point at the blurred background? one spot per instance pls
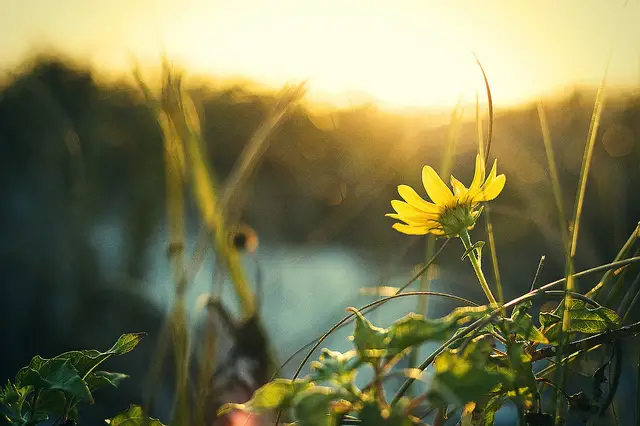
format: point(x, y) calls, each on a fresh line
point(83, 224)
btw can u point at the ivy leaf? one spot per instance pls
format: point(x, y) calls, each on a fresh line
point(414, 329)
point(134, 416)
point(57, 375)
point(521, 325)
point(276, 394)
point(337, 367)
point(584, 319)
point(86, 360)
point(100, 379)
point(312, 407)
point(461, 377)
point(369, 340)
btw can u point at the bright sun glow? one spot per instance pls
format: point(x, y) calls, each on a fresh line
point(415, 53)
point(347, 51)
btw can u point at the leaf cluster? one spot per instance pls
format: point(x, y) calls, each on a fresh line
point(470, 372)
point(52, 388)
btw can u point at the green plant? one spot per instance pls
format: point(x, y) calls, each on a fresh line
point(487, 355)
point(52, 388)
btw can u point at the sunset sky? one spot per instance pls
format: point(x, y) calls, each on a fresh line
point(400, 52)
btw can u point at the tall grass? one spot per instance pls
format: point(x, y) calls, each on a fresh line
point(186, 163)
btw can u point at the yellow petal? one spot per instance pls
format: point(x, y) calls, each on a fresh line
point(408, 210)
point(411, 230)
point(478, 176)
point(436, 231)
point(459, 189)
point(491, 190)
point(435, 187)
point(413, 220)
point(412, 198)
point(492, 173)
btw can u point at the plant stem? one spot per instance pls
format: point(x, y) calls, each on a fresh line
point(473, 257)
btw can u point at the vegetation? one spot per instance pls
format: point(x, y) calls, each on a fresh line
point(487, 358)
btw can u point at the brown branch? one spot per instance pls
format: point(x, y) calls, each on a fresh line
point(589, 342)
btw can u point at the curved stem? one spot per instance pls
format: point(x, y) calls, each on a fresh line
point(473, 257)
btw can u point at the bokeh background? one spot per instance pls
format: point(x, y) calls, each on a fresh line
point(83, 227)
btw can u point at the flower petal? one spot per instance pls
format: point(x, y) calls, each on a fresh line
point(413, 199)
point(411, 230)
point(491, 190)
point(436, 231)
point(492, 173)
point(408, 210)
point(413, 220)
point(435, 187)
point(459, 190)
point(478, 175)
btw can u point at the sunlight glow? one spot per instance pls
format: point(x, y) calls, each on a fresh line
point(340, 56)
point(399, 53)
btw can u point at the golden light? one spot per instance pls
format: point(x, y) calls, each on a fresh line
point(347, 51)
point(400, 53)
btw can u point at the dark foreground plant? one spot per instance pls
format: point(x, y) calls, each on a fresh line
point(50, 389)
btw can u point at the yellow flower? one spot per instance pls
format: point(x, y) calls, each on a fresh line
point(450, 211)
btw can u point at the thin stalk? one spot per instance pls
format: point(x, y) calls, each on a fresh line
point(553, 172)
point(632, 293)
point(485, 156)
point(582, 187)
point(477, 268)
point(623, 251)
point(492, 251)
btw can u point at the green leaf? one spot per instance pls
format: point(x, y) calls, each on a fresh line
point(276, 394)
point(100, 379)
point(524, 379)
point(57, 375)
point(86, 360)
point(490, 410)
point(371, 415)
point(414, 329)
point(463, 377)
point(15, 401)
point(521, 325)
point(369, 340)
point(134, 416)
point(312, 407)
point(126, 343)
point(52, 402)
point(476, 246)
point(584, 319)
point(334, 366)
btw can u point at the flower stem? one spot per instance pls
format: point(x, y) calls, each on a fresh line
point(473, 257)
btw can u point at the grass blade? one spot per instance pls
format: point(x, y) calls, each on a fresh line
point(569, 283)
